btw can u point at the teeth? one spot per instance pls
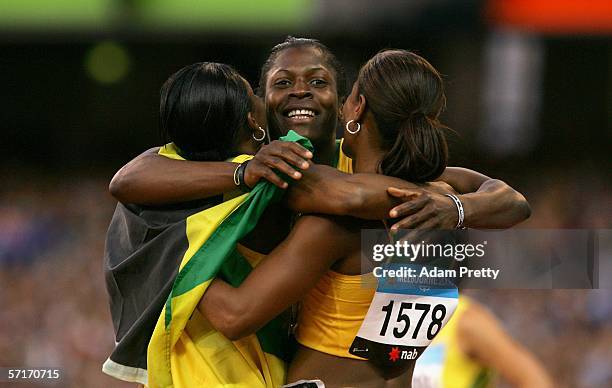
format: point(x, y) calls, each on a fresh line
point(301, 112)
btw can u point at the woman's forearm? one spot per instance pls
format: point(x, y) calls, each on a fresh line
point(494, 206)
point(152, 179)
point(326, 190)
point(488, 203)
point(280, 280)
point(224, 310)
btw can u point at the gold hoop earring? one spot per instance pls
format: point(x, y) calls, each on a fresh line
point(349, 130)
point(263, 134)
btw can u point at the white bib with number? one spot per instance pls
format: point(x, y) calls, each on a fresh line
point(408, 319)
point(403, 319)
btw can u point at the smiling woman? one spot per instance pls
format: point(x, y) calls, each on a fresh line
point(301, 94)
point(320, 262)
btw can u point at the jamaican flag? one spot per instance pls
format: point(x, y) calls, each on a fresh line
point(144, 248)
point(184, 350)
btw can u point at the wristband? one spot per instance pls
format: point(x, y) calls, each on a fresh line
point(239, 176)
point(459, 205)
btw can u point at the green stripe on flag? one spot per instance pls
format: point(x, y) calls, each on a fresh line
point(211, 256)
point(235, 270)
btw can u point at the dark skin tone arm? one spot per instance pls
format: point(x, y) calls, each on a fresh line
point(489, 203)
point(292, 269)
point(179, 180)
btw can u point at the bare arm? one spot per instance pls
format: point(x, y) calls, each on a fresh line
point(323, 189)
point(152, 179)
point(482, 337)
point(463, 180)
point(280, 280)
point(488, 203)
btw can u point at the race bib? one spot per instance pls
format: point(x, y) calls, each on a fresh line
point(402, 320)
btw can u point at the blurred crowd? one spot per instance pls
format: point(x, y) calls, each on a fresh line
point(54, 303)
point(55, 312)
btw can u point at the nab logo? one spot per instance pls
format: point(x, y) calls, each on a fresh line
point(395, 354)
point(410, 355)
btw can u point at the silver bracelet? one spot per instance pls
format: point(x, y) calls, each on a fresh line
point(236, 179)
point(459, 210)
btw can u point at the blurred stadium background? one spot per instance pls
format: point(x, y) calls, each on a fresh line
point(529, 95)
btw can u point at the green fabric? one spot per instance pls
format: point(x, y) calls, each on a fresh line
point(218, 255)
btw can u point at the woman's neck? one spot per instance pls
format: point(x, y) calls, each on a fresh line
point(367, 151)
point(367, 161)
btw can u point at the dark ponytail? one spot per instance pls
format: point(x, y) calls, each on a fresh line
point(406, 95)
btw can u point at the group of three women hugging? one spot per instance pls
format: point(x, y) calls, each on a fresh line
point(388, 171)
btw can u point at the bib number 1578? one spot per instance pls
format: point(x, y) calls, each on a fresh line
point(407, 319)
point(402, 322)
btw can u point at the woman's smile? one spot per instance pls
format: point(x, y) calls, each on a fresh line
point(301, 94)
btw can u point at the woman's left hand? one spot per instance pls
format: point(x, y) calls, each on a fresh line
point(425, 207)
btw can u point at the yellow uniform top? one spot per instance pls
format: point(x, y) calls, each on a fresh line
point(332, 312)
point(444, 365)
point(344, 163)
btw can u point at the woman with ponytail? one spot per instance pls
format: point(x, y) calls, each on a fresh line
point(392, 127)
point(396, 102)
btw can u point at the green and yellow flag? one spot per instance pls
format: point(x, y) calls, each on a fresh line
point(185, 351)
